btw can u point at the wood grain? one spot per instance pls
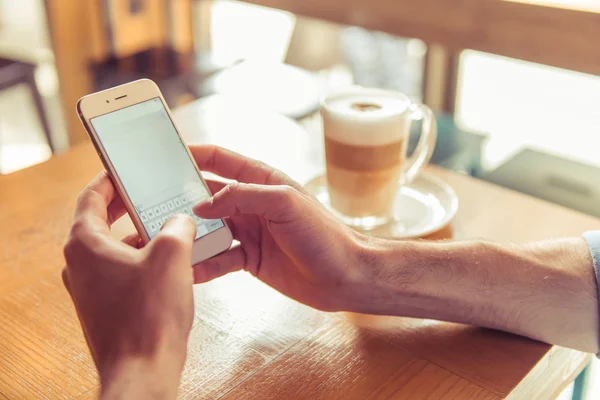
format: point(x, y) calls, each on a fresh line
point(336, 361)
point(473, 353)
point(414, 380)
point(217, 362)
point(249, 341)
point(561, 365)
point(265, 320)
point(43, 352)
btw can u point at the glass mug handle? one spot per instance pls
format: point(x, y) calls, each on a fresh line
point(426, 145)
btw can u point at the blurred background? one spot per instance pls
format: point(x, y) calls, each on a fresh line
point(514, 84)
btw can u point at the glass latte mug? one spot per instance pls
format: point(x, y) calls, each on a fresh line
point(366, 140)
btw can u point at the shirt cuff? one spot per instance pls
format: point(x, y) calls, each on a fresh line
point(593, 240)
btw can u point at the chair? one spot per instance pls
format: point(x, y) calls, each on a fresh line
point(16, 72)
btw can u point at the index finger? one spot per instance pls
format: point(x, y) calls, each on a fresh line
point(92, 204)
point(231, 165)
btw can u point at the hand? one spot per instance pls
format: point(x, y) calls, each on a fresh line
point(135, 304)
point(287, 238)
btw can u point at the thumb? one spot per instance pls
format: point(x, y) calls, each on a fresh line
point(175, 239)
point(275, 203)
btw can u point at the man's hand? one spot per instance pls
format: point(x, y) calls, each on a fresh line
point(135, 304)
point(287, 238)
point(545, 291)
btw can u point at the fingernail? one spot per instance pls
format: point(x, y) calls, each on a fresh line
point(203, 205)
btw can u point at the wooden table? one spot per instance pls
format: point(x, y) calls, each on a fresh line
point(248, 341)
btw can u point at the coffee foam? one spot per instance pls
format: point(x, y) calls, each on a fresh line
point(366, 117)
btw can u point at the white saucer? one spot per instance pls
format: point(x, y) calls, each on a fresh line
point(423, 207)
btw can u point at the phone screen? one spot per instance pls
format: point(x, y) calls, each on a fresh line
point(153, 165)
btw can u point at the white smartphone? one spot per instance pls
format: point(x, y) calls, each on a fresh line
point(150, 165)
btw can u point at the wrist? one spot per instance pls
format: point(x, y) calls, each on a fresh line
point(383, 275)
point(412, 278)
point(153, 373)
point(155, 376)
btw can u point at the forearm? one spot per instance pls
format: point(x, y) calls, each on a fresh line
point(545, 291)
